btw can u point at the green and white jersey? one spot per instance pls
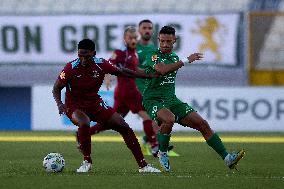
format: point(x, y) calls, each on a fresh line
point(143, 51)
point(162, 87)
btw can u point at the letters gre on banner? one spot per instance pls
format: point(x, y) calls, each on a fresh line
point(53, 39)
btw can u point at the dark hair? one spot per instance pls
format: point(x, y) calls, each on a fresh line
point(167, 30)
point(145, 21)
point(87, 44)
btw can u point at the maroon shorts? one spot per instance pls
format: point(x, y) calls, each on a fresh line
point(123, 105)
point(99, 112)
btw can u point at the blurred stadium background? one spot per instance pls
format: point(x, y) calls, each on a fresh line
point(246, 89)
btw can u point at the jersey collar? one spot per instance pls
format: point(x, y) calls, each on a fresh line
point(166, 55)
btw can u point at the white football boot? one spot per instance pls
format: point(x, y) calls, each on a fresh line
point(85, 167)
point(149, 169)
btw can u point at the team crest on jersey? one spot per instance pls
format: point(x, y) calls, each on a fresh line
point(154, 57)
point(62, 75)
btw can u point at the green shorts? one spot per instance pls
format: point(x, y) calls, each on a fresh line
point(176, 106)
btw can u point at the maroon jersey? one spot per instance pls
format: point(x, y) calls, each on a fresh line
point(83, 82)
point(127, 58)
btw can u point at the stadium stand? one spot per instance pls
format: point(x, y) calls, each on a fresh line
point(114, 6)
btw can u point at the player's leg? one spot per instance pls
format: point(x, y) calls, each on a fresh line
point(117, 123)
point(97, 128)
point(118, 107)
point(135, 106)
point(145, 139)
point(195, 121)
point(148, 127)
point(121, 107)
point(80, 119)
point(167, 119)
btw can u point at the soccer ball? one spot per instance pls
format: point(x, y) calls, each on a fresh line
point(53, 162)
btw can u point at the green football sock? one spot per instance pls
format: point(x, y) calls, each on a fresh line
point(216, 143)
point(163, 140)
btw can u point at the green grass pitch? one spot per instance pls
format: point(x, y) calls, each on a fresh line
point(114, 166)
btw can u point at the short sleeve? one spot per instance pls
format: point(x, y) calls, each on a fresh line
point(108, 67)
point(117, 57)
point(151, 61)
point(65, 74)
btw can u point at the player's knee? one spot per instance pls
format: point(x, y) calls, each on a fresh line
point(169, 120)
point(166, 128)
point(168, 123)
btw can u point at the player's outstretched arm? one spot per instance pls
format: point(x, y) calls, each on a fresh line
point(125, 72)
point(57, 87)
point(164, 69)
point(193, 57)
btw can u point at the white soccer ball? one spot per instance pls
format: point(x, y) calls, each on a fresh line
point(53, 162)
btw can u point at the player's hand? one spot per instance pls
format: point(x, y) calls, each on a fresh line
point(108, 84)
point(62, 109)
point(195, 56)
point(108, 80)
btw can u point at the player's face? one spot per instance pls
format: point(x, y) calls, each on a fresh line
point(86, 56)
point(166, 42)
point(146, 31)
point(130, 39)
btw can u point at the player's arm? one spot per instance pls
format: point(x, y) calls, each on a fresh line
point(57, 87)
point(59, 84)
point(125, 72)
point(164, 69)
point(140, 70)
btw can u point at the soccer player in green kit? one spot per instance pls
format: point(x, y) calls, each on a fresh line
point(143, 48)
point(165, 108)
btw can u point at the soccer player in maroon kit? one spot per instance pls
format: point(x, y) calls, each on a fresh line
point(126, 95)
point(83, 78)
